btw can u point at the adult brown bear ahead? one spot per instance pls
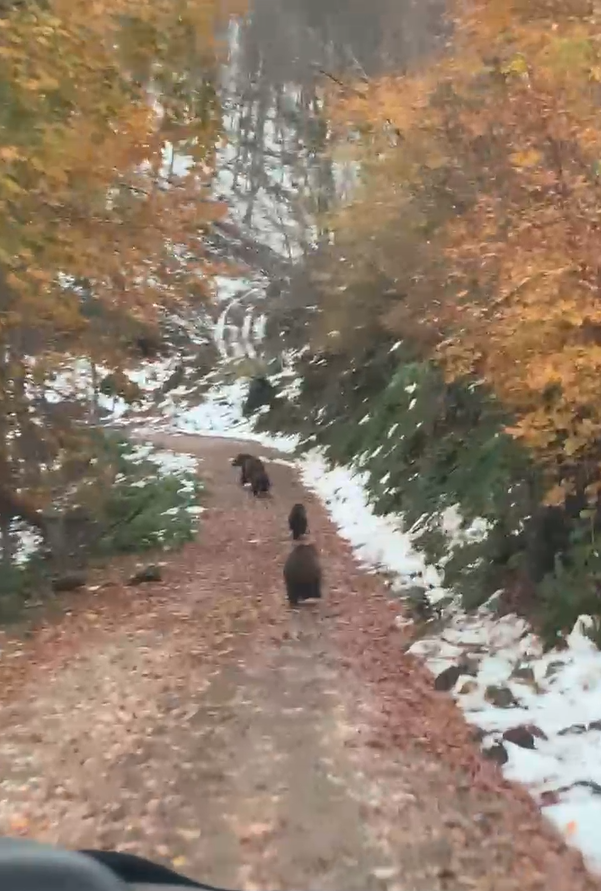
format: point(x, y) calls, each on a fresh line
point(247, 464)
point(297, 521)
point(302, 574)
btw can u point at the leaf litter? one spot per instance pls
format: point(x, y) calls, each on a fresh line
point(197, 721)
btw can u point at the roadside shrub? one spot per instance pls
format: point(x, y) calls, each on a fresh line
point(139, 517)
point(147, 505)
point(136, 499)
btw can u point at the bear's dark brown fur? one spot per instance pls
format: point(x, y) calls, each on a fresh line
point(247, 464)
point(302, 574)
point(260, 483)
point(297, 521)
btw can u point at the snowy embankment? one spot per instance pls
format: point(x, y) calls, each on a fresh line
point(146, 466)
point(218, 414)
point(75, 382)
point(506, 682)
point(181, 410)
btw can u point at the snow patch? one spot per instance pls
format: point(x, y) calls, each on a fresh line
point(218, 414)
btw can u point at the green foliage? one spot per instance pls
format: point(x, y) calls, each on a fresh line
point(425, 445)
point(144, 510)
point(572, 589)
point(134, 509)
point(479, 568)
point(143, 517)
point(283, 416)
point(18, 585)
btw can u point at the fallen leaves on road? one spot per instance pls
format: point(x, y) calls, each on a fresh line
point(110, 736)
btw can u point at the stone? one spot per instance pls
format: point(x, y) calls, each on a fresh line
point(502, 697)
point(469, 666)
point(497, 753)
point(478, 734)
point(524, 673)
point(594, 787)
point(151, 573)
point(524, 735)
point(536, 731)
point(446, 680)
point(519, 736)
point(70, 581)
point(574, 729)
point(468, 687)
point(553, 668)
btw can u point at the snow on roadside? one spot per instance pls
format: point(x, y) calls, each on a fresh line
point(218, 414)
point(378, 541)
point(556, 695)
point(166, 463)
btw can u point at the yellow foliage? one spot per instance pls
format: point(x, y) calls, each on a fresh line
point(527, 158)
point(84, 187)
point(99, 227)
point(483, 206)
point(556, 495)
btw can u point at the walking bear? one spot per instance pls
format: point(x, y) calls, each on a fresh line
point(252, 470)
point(302, 574)
point(260, 483)
point(247, 463)
point(297, 521)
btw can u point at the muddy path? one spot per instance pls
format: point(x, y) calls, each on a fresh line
point(198, 721)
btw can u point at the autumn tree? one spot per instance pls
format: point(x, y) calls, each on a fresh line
point(109, 124)
point(478, 205)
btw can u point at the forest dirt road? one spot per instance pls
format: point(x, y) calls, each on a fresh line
point(200, 722)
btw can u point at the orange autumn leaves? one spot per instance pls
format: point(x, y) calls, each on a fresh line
point(486, 162)
point(96, 99)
